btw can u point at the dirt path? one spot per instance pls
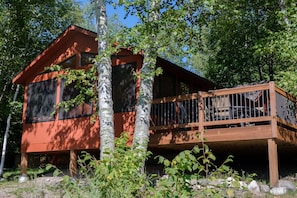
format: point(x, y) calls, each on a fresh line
point(42, 187)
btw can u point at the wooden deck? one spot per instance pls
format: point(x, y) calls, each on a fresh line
point(257, 113)
point(243, 113)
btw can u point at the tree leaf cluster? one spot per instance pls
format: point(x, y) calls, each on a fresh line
point(249, 41)
point(27, 27)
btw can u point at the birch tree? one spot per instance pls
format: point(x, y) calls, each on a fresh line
point(161, 23)
point(6, 134)
point(142, 122)
point(104, 88)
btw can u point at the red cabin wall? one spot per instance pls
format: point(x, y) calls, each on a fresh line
point(76, 133)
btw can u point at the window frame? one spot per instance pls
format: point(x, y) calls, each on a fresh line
point(77, 111)
point(81, 64)
point(31, 103)
point(67, 59)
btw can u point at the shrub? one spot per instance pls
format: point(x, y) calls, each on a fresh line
point(192, 173)
point(116, 176)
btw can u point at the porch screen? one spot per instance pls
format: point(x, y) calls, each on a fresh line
point(164, 85)
point(123, 88)
point(69, 92)
point(41, 101)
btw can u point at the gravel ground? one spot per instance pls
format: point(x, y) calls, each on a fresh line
point(42, 187)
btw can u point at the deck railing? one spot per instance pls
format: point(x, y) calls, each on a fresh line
point(175, 111)
point(232, 107)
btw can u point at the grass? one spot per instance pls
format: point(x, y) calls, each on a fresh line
point(14, 174)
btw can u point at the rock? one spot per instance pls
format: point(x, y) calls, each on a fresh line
point(217, 182)
point(229, 181)
point(165, 177)
point(287, 184)
point(254, 187)
point(203, 182)
point(264, 188)
point(242, 185)
point(278, 190)
point(192, 182)
point(23, 178)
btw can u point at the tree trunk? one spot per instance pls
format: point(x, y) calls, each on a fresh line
point(143, 109)
point(283, 9)
point(104, 88)
point(6, 134)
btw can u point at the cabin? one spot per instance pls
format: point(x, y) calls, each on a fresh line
point(248, 118)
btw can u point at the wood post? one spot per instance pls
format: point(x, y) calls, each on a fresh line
point(273, 109)
point(73, 163)
point(24, 163)
point(273, 162)
point(201, 113)
point(201, 116)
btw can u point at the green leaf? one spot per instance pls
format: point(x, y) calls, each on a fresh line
point(195, 166)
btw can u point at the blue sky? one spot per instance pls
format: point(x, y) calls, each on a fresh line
point(129, 21)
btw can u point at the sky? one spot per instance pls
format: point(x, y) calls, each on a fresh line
point(130, 21)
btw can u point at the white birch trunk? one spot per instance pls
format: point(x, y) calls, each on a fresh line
point(6, 134)
point(104, 88)
point(283, 9)
point(143, 109)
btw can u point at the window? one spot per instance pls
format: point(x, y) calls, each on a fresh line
point(69, 62)
point(69, 92)
point(87, 58)
point(123, 88)
point(183, 88)
point(164, 85)
point(41, 101)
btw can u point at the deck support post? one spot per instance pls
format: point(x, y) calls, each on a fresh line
point(24, 166)
point(73, 163)
point(273, 162)
point(24, 163)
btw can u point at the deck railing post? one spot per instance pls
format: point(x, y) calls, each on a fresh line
point(272, 145)
point(273, 109)
point(201, 112)
point(273, 162)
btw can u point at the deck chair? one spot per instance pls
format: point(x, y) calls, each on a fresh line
point(221, 107)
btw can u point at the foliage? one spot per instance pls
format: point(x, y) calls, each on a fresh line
point(114, 176)
point(14, 174)
point(190, 166)
point(83, 80)
point(250, 41)
point(119, 175)
point(287, 80)
point(27, 28)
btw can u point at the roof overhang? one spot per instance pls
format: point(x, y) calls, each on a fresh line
point(21, 77)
